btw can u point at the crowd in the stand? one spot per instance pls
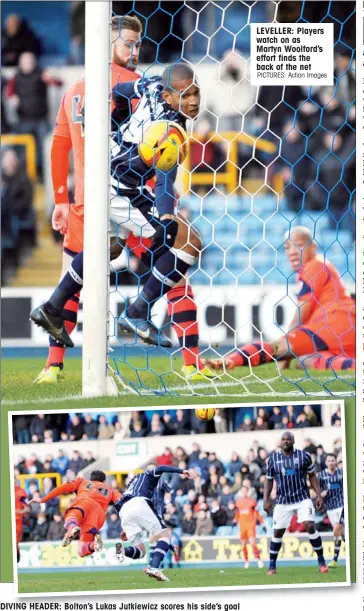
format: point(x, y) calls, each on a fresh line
point(46, 428)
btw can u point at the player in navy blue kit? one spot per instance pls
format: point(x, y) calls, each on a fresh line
point(290, 469)
point(175, 247)
point(331, 483)
point(138, 514)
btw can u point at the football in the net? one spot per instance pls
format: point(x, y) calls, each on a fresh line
point(205, 413)
point(163, 145)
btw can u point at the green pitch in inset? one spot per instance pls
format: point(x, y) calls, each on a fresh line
point(88, 581)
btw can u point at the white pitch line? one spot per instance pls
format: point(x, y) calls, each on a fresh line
point(204, 386)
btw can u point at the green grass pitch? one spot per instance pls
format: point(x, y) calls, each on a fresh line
point(87, 581)
point(264, 383)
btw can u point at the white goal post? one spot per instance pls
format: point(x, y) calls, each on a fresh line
point(96, 264)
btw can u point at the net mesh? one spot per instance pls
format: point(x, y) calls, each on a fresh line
point(261, 161)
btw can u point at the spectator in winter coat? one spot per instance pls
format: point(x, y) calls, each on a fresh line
point(113, 526)
point(204, 524)
point(188, 523)
point(218, 514)
point(40, 530)
point(17, 38)
point(234, 465)
point(56, 529)
point(37, 427)
point(61, 463)
point(90, 428)
point(76, 429)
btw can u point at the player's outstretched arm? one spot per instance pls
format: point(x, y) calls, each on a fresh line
point(123, 93)
point(63, 489)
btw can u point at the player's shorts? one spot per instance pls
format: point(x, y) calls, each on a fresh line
point(126, 218)
point(90, 515)
point(247, 532)
point(73, 240)
point(282, 514)
point(138, 516)
point(336, 336)
point(335, 516)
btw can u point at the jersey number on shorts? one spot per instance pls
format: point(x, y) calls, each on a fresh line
point(78, 114)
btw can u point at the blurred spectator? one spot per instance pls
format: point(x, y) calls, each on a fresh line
point(89, 459)
point(52, 506)
point(235, 464)
point(47, 467)
point(309, 446)
point(220, 420)
point(310, 415)
point(336, 417)
point(27, 94)
point(61, 462)
point(56, 529)
point(17, 38)
point(16, 200)
point(48, 436)
point(166, 458)
point(113, 526)
point(78, 33)
point(260, 425)
point(37, 427)
point(120, 432)
point(230, 513)
point(247, 424)
point(76, 463)
point(213, 488)
point(302, 421)
point(76, 429)
point(168, 424)
point(90, 428)
point(33, 464)
point(204, 524)
point(137, 430)
point(21, 429)
point(188, 523)
point(215, 462)
point(218, 513)
point(40, 531)
point(156, 426)
point(275, 419)
point(290, 415)
point(181, 425)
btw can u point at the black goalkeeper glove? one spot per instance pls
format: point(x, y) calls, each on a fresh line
point(163, 240)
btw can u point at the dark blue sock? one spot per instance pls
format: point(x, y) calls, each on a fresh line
point(168, 270)
point(337, 548)
point(133, 552)
point(274, 548)
point(70, 284)
point(316, 543)
point(160, 551)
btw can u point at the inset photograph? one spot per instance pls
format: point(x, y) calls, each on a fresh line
point(192, 498)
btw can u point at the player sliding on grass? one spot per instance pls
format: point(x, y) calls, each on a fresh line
point(322, 332)
point(87, 513)
point(134, 209)
point(138, 514)
point(331, 483)
point(290, 468)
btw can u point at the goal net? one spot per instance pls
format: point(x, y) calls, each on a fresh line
point(262, 160)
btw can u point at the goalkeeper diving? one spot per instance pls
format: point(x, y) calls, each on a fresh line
point(322, 333)
point(169, 100)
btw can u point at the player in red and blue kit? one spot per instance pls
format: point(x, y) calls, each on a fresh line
point(138, 514)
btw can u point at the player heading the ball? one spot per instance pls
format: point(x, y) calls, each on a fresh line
point(174, 97)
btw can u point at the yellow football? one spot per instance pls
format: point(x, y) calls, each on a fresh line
point(205, 413)
point(164, 144)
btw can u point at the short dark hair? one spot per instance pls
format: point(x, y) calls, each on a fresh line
point(97, 476)
point(331, 454)
point(179, 71)
point(126, 22)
